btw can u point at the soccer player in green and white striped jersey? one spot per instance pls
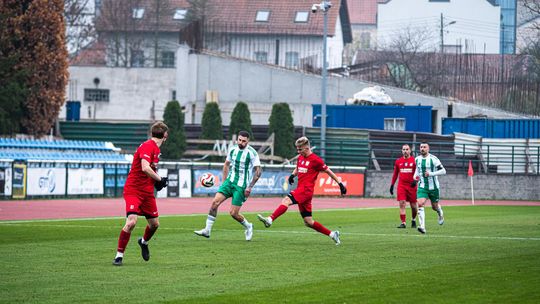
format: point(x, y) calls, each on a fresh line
point(238, 170)
point(428, 167)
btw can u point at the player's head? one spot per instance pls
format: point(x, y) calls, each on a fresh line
point(302, 146)
point(160, 130)
point(406, 150)
point(424, 148)
point(243, 139)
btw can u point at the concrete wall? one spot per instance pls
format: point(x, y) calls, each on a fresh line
point(477, 22)
point(132, 91)
point(458, 186)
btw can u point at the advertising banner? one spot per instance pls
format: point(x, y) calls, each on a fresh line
point(163, 192)
point(46, 181)
point(185, 182)
point(327, 186)
point(271, 182)
point(19, 181)
point(85, 181)
point(172, 189)
point(2, 181)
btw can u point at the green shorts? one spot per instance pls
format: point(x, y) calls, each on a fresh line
point(432, 195)
point(236, 192)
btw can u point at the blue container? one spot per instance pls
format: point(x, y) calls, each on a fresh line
point(417, 118)
point(493, 128)
point(73, 109)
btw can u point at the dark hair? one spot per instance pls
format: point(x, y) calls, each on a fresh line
point(424, 143)
point(243, 133)
point(159, 129)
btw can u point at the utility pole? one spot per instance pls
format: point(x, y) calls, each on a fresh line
point(324, 6)
point(442, 31)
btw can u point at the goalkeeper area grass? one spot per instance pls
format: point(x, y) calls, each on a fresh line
point(482, 254)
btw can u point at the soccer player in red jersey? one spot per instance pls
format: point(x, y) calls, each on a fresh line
point(139, 192)
point(405, 168)
point(307, 169)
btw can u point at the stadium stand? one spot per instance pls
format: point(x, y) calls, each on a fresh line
point(44, 149)
point(344, 147)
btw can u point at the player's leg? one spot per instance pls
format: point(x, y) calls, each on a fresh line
point(421, 200)
point(401, 197)
point(237, 202)
point(434, 198)
point(411, 198)
point(153, 225)
point(402, 214)
point(132, 209)
point(306, 213)
point(282, 208)
point(219, 198)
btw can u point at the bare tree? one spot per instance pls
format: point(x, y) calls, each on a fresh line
point(79, 17)
point(533, 9)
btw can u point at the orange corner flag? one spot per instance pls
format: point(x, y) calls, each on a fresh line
point(471, 172)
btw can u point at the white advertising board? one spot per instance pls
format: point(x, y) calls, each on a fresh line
point(46, 181)
point(184, 182)
point(85, 181)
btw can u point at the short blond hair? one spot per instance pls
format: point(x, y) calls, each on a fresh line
point(302, 141)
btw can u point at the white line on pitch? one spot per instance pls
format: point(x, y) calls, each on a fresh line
point(306, 232)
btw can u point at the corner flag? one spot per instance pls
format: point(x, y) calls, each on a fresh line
point(471, 173)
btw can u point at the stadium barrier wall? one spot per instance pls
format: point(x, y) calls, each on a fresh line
point(458, 186)
point(64, 179)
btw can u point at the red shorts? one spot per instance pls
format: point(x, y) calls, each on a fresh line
point(141, 204)
point(405, 193)
point(303, 200)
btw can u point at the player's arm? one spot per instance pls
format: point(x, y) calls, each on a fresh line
point(147, 169)
point(440, 169)
point(332, 175)
point(293, 174)
point(256, 176)
point(225, 170)
point(394, 177)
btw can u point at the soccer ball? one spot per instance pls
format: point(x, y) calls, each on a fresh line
point(207, 180)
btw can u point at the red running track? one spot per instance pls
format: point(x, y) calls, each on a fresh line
point(92, 208)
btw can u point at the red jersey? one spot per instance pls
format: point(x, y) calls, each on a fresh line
point(308, 168)
point(405, 167)
point(137, 181)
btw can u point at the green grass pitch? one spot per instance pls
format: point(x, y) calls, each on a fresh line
point(482, 254)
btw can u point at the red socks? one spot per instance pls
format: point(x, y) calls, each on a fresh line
point(319, 227)
point(148, 233)
point(401, 216)
point(123, 240)
point(278, 212)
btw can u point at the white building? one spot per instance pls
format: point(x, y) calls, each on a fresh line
point(468, 26)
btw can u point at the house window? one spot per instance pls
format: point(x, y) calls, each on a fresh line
point(137, 58)
point(262, 16)
point(394, 124)
point(261, 57)
point(96, 95)
point(167, 59)
point(180, 14)
point(138, 13)
point(301, 17)
point(173, 95)
point(291, 59)
point(365, 40)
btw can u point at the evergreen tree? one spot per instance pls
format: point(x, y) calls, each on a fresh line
point(37, 30)
point(281, 124)
point(240, 120)
point(211, 127)
point(175, 145)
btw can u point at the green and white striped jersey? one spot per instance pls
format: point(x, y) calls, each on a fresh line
point(432, 164)
point(241, 166)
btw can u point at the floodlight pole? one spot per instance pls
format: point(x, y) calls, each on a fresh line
point(325, 6)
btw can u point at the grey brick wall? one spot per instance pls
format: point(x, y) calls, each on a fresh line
point(458, 186)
